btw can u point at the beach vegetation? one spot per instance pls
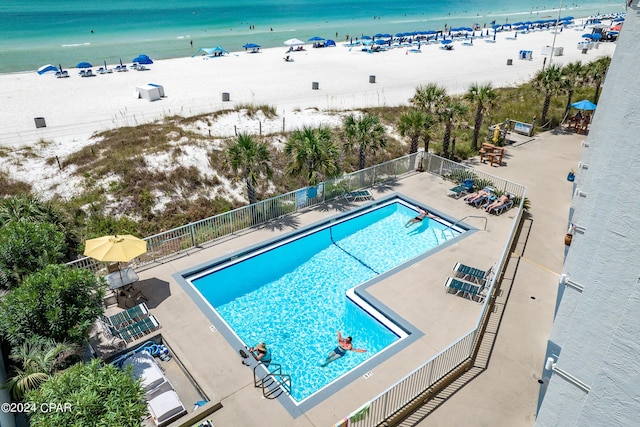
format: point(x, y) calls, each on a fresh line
point(596, 72)
point(34, 362)
point(10, 186)
point(249, 159)
point(364, 132)
point(96, 394)
point(416, 125)
point(313, 153)
point(55, 302)
point(551, 82)
point(575, 74)
point(251, 110)
point(450, 115)
point(485, 98)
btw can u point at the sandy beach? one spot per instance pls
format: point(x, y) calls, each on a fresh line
point(76, 107)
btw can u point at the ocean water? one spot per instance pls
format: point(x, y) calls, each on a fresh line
point(37, 32)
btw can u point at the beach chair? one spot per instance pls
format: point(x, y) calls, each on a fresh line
point(472, 274)
point(139, 329)
point(484, 200)
point(465, 289)
point(358, 196)
point(127, 317)
point(463, 188)
point(501, 209)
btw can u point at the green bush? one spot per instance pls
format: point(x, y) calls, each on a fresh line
point(58, 302)
point(95, 395)
point(26, 247)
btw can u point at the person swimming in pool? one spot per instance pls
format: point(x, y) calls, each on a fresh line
point(344, 345)
point(423, 214)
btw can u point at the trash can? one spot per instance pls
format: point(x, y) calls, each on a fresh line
point(315, 85)
point(509, 61)
point(225, 96)
point(40, 123)
point(372, 79)
point(584, 51)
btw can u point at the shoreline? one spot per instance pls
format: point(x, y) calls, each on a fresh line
point(75, 107)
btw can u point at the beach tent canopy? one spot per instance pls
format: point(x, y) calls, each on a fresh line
point(84, 65)
point(142, 59)
point(211, 50)
point(328, 43)
point(585, 104)
point(47, 69)
point(293, 42)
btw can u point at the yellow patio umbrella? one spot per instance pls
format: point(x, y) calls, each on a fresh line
point(115, 248)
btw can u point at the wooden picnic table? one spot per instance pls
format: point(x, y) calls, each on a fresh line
point(492, 153)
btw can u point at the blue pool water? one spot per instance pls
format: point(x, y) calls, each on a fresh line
point(293, 296)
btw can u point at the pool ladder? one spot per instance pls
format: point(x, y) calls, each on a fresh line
point(274, 383)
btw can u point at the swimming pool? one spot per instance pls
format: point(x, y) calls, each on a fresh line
point(292, 293)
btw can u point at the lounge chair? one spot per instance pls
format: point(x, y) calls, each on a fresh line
point(130, 333)
point(127, 317)
point(503, 208)
point(484, 200)
point(463, 188)
point(358, 196)
point(465, 289)
point(472, 274)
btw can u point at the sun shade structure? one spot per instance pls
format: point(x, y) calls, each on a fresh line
point(115, 248)
point(142, 59)
point(47, 69)
point(84, 65)
point(293, 42)
point(585, 104)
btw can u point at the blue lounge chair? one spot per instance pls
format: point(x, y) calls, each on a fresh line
point(465, 289)
point(503, 208)
point(464, 188)
point(484, 200)
point(472, 274)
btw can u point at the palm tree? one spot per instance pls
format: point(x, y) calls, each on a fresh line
point(551, 81)
point(450, 116)
point(251, 159)
point(432, 99)
point(574, 73)
point(415, 124)
point(366, 132)
point(596, 72)
point(485, 97)
point(429, 98)
point(314, 154)
point(35, 361)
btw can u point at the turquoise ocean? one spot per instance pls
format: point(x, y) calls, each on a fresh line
point(38, 32)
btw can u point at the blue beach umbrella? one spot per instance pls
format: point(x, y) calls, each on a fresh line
point(142, 59)
point(446, 41)
point(47, 69)
point(316, 39)
point(251, 46)
point(585, 104)
point(84, 65)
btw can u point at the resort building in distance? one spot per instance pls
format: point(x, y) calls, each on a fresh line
point(592, 372)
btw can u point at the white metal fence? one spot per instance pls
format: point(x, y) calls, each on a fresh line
point(399, 395)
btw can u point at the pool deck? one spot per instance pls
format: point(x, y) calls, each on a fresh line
point(505, 394)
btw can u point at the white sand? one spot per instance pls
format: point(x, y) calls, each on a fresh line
point(75, 107)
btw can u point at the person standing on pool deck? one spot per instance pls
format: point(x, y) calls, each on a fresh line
point(344, 345)
point(423, 214)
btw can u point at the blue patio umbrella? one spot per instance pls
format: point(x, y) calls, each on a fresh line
point(251, 46)
point(316, 39)
point(47, 69)
point(446, 41)
point(84, 65)
point(585, 104)
point(142, 59)
point(366, 37)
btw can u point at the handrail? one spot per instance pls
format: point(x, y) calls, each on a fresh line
point(469, 216)
point(282, 381)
